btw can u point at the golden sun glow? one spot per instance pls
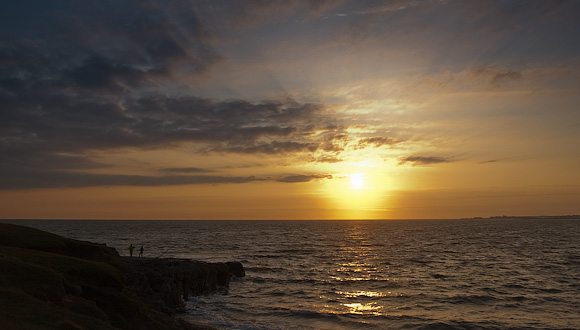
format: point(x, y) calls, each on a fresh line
point(357, 180)
point(356, 195)
point(360, 188)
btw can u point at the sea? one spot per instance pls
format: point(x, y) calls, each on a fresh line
point(471, 274)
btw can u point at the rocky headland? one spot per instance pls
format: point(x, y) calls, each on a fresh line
point(51, 282)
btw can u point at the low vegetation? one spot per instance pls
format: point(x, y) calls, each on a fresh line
point(51, 282)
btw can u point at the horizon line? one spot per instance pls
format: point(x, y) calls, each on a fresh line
point(494, 217)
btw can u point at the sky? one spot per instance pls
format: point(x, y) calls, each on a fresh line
point(180, 109)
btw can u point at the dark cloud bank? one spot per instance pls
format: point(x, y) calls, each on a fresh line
point(78, 77)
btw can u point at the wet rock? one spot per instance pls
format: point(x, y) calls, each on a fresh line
point(236, 268)
point(170, 282)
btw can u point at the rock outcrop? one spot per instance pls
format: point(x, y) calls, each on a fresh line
point(51, 282)
point(169, 282)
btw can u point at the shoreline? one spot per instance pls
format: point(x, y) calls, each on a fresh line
point(527, 217)
point(74, 284)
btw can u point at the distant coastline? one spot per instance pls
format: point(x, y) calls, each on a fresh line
point(569, 216)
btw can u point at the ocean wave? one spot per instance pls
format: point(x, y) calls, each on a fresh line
point(471, 299)
point(455, 326)
point(460, 325)
point(263, 269)
point(298, 251)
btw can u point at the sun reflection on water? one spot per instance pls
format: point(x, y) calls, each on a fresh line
point(357, 294)
point(361, 303)
point(358, 261)
point(371, 308)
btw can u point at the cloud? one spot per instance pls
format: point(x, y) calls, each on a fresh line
point(274, 147)
point(424, 160)
point(396, 5)
point(482, 78)
point(496, 77)
point(15, 160)
point(250, 14)
point(97, 45)
point(303, 178)
point(476, 33)
point(72, 179)
point(45, 130)
point(81, 78)
point(45, 134)
point(326, 159)
point(185, 170)
point(75, 179)
point(69, 123)
point(376, 141)
point(77, 78)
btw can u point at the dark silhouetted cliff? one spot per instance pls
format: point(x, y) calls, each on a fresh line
point(51, 282)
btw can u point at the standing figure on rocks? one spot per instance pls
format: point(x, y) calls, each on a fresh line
point(141, 251)
point(131, 248)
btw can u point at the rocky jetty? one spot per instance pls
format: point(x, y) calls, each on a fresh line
point(51, 282)
point(169, 282)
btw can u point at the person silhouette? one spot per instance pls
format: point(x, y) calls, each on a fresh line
point(141, 251)
point(131, 248)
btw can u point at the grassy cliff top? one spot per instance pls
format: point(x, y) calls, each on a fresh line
point(51, 282)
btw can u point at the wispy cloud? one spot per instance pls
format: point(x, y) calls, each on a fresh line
point(184, 170)
point(71, 179)
point(376, 141)
point(40, 179)
point(424, 160)
point(296, 178)
point(396, 5)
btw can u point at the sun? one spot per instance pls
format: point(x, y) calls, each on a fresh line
point(357, 194)
point(357, 180)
